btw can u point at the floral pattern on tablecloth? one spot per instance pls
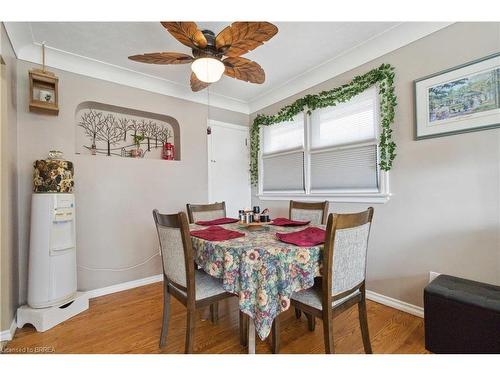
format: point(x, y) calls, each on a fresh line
point(263, 271)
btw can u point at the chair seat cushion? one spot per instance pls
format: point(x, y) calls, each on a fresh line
point(312, 297)
point(206, 286)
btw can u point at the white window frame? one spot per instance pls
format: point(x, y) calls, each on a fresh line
point(382, 195)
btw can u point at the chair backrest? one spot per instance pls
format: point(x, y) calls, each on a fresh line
point(197, 212)
point(176, 249)
point(346, 244)
point(315, 212)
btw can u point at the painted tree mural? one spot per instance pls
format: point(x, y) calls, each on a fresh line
point(135, 127)
point(155, 132)
point(147, 131)
point(110, 132)
point(92, 123)
point(124, 126)
point(165, 136)
point(117, 135)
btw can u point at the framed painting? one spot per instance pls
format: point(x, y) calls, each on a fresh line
point(458, 100)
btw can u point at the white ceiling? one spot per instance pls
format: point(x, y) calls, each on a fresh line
point(297, 50)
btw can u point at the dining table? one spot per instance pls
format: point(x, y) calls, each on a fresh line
point(260, 269)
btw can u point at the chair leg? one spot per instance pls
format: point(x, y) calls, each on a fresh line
point(363, 323)
point(275, 335)
point(298, 313)
point(328, 335)
point(243, 328)
point(166, 316)
point(311, 322)
point(214, 312)
point(190, 330)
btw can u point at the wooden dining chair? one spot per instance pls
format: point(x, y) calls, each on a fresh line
point(316, 212)
point(193, 288)
point(197, 212)
point(343, 281)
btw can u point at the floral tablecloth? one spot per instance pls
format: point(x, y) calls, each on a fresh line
point(263, 271)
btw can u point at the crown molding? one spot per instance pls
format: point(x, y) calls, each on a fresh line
point(28, 50)
point(379, 45)
point(400, 35)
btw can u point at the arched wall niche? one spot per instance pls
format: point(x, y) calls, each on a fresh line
point(109, 130)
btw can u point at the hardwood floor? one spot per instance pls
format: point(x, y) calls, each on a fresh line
point(130, 322)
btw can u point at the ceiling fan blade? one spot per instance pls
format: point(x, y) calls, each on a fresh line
point(196, 84)
point(242, 37)
point(244, 69)
point(163, 58)
point(187, 33)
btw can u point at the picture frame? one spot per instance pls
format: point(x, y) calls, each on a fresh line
point(462, 99)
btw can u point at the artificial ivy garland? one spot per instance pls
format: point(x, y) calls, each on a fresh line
point(383, 76)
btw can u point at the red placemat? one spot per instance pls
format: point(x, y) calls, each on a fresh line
point(311, 236)
point(284, 222)
point(216, 233)
point(222, 220)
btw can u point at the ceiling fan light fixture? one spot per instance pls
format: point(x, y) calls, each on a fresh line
point(208, 69)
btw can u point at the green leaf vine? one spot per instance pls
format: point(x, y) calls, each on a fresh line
point(383, 76)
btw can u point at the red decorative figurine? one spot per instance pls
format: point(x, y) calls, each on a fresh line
point(168, 151)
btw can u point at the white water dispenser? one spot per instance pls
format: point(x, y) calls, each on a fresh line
point(52, 279)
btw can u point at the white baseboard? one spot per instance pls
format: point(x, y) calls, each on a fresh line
point(124, 286)
point(395, 303)
point(8, 334)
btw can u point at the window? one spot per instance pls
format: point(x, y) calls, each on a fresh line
point(331, 153)
point(283, 157)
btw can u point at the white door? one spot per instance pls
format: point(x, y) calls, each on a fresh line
point(228, 169)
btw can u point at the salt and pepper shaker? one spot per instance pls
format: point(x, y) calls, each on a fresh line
point(249, 217)
point(264, 216)
point(256, 213)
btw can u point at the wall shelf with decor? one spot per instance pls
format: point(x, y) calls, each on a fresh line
point(108, 130)
point(44, 92)
point(44, 96)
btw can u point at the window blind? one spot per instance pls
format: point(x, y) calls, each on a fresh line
point(284, 172)
point(346, 123)
point(349, 169)
point(288, 135)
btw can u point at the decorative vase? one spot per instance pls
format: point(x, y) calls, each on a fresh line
point(53, 176)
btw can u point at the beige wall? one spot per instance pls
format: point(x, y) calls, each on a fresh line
point(8, 203)
point(114, 196)
point(444, 215)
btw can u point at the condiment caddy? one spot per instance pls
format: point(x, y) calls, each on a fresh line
point(254, 218)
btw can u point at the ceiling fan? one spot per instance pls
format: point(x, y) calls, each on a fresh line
point(215, 55)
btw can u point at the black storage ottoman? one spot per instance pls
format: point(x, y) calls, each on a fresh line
point(461, 316)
